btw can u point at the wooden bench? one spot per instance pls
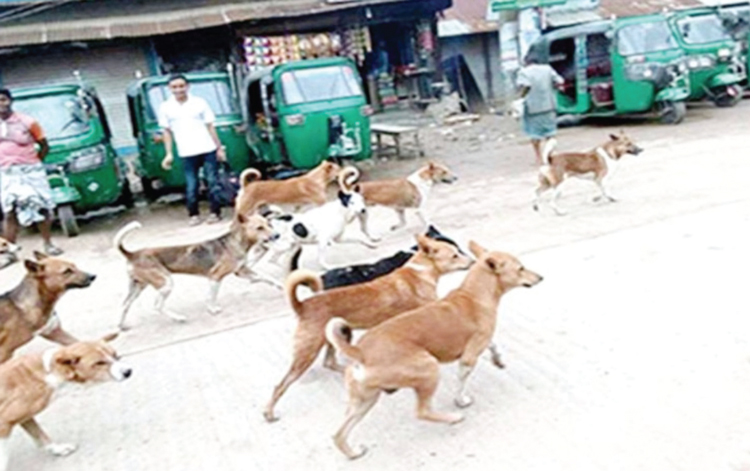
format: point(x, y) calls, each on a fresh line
point(395, 132)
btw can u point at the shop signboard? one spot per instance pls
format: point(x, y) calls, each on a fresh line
point(499, 5)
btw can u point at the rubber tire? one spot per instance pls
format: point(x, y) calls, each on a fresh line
point(723, 99)
point(67, 218)
point(673, 112)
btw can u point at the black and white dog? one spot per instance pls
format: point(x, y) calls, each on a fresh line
point(355, 274)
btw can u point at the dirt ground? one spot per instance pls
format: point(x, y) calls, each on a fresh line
point(631, 355)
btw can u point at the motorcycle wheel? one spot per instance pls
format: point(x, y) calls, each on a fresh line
point(67, 218)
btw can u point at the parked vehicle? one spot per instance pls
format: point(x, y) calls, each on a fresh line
point(144, 97)
point(736, 19)
point(301, 113)
point(627, 66)
point(713, 57)
point(82, 166)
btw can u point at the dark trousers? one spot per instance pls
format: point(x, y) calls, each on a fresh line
point(211, 170)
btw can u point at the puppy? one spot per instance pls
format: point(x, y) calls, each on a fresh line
point(29, 308)
point(405, 193)
point(27, 384)
point(596, 164)
point(406, 351)
point(326, 224)
point(213, 259)
point(355, 274)
point(308, 189)
point(364, 305)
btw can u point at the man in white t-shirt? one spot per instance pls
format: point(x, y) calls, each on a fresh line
point(188, 122)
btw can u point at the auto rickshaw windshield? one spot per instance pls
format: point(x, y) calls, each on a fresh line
point(217, 94)
point(642, 38)
point(60, 116)
point(703, 29)
point(320, 83)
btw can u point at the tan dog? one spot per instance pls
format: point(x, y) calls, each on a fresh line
point(364, 305)
point(597, 164)
point(405, 193)
point(29, 308)
point(406, 351)
point(308, 189)
point(213, 259)
point(27, 384)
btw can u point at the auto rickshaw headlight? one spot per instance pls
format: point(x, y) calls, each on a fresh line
point(87, 159)
point(295, 119)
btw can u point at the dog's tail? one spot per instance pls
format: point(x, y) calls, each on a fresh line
point(130, 227)
point(347, 178)
point(339, 334)
point(301, 277)
point(248, 176)
point(549, 147)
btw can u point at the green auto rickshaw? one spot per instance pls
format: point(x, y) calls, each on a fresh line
point(626, 66)
point(82, 167)
point(144, 98)
point(713, 56)
point(303, 112)
point(736, 19)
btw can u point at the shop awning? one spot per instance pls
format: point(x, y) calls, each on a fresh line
point(105, 19)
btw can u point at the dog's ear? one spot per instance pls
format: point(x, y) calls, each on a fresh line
point(493, 264)
point(40, 256)
point(424, 244)
point(476, 249)
point(344, 198)
point(357, 188)
point(241, 218)
point(33, 267)
point(614, 137)
point(110, 337)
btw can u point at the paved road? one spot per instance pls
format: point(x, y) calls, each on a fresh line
point(631, 355)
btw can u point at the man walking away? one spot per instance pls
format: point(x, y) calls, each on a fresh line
point(25, 194)
point(536, 83)
point(188, 122)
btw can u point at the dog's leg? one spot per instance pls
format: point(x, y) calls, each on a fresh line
point(361, 401)
point(363, 218)
point(255, 277)
point(43, 441)
point(600, 183)
point(4, 453)
point(306, 349)
point(555, 196)
point(213, 292)
point(401, 219)
point(330, 359)
point(466, 364)
point(544, 184)
point(58, 335)
point(422, 217)
point(136, 288)
point(495, 356)
point(425, 375)
point(322, 250)
point(164, 289)
point(355, 240)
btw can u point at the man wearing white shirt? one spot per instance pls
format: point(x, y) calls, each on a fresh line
point(188, 122)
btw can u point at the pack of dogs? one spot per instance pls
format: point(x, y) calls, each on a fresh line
point(409, 330)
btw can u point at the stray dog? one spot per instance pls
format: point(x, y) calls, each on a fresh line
point(364, 305)
point(213, 259)
point(28, 309)
point(308, 189)
point(597, 164)
point(8, 247)
point(406, 351)
point(405, 193)
point(355, 274)
point(326, 224)
point(27, 384)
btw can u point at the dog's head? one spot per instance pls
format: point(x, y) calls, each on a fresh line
point(445, 256)
point(56, 274)
point(353, 202)
point(621, 144)
point(328, 169)
point(434, 233)
point(507, 270)
point(7, 246)
point(437, 173)
point(255, 228)
point(94, 361)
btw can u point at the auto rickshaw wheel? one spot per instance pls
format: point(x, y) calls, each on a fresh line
point(67, 218)
point(725, 97)
point(672, 112)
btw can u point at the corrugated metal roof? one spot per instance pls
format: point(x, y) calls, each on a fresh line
point(641, 7)
point(566, 18)
point(465, 17)
point(100, 20)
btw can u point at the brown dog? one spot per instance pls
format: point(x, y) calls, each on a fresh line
point(364, 305)
point(405, 193)
point(29, 308)
point(597, 164)
point(213, 259)
point(406, 351)
point(27, 384)
point(308, 189)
